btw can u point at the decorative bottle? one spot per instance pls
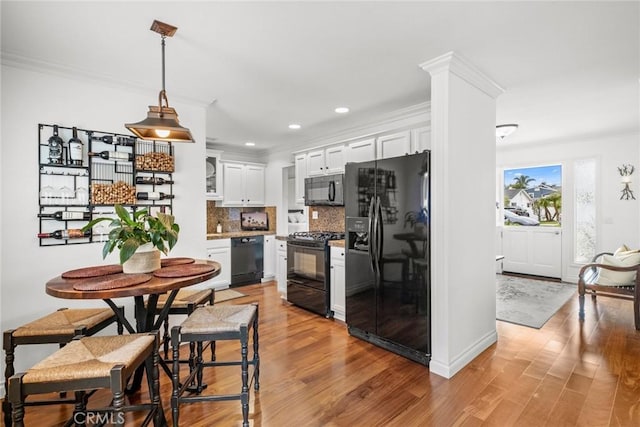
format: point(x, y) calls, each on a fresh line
point(67, 215)
point(71, 233)
point(112, 155)
point(152, 180)
point(75, 148)
point(55, 147)
point(153, 195)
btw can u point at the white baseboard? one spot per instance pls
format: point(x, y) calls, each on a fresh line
point(463, 359)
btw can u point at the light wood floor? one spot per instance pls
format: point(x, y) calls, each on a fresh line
point(314, 374)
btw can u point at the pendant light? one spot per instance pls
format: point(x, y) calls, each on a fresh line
point(162, 122)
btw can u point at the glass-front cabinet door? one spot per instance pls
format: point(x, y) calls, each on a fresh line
point(214, 175)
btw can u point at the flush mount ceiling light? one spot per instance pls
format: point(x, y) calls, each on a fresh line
point(502, 131)
point(294, 126)
point(161, 123)
point(250, 144)
point(341, 110)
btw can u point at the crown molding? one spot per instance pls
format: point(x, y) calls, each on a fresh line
point(464, 69)
point(383, 123)
point(14, 60)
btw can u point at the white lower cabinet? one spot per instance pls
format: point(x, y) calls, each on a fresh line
point(338, 300)
point(219, 250)
point(281, 267)
point(269, 258)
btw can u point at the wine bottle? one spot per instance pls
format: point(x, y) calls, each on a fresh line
point(120, 140)
point(66, 215)
point(112, 155)
point(153, 195)
point(71, 233)
point(126, 141)
point(107, 139)
point(55, 147)
point(152, 180)
point(75, 148)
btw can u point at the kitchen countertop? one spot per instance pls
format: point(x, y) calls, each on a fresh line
point(232, 234)
point(337, 243)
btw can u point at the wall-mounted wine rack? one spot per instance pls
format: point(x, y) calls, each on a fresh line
point(74, 187)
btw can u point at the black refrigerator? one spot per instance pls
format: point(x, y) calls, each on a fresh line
point(387, 207)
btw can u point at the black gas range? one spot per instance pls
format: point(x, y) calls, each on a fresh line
point(315, 238)
point(308, 274)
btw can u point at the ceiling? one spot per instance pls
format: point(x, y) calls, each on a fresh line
point(570, 70)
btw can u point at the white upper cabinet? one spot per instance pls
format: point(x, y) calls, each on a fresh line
point(420, 139)
point(325, 161)
point(301, 174)
point(213, 175)
point(315, 163)
point(243, 184)
point(361, 151)
point(397, 144)
point(334, 160)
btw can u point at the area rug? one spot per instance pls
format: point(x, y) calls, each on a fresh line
point(227, 294)
point(530, 302)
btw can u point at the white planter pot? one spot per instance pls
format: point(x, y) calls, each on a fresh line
point(145, 260)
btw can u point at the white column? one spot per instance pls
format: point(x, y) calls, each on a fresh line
point(463, 163)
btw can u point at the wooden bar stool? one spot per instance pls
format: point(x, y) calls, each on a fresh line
point(215, 323)
point(59, 327)
point(88, 363)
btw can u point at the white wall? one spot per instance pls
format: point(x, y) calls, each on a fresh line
point(617, 220)
point(29, 98)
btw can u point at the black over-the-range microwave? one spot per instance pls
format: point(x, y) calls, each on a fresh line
point(327, 190)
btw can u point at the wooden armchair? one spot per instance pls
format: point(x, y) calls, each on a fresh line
point(589, 280)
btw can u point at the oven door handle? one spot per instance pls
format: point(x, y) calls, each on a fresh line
point(311, 248)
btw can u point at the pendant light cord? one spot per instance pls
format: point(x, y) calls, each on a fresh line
point(163, 43)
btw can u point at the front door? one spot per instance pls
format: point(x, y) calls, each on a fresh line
point(532, 233)
point(532, 250)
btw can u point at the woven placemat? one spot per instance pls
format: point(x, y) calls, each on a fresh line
point(113, 281)
point(184, 270)
point(96, 271)
point(166, 262)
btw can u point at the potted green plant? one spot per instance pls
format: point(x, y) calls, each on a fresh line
point(417, 220)
point(140, 237)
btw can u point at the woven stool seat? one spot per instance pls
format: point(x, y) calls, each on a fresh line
point(219, 318)
point(215, 323)
point(64, 322)
point(59, 327)
point(89, 358)
point(90, 363)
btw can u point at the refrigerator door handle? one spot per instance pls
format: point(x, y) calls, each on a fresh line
point(379, 231)
point(372, 239)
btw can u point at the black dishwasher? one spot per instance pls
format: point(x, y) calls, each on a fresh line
point(247, 259)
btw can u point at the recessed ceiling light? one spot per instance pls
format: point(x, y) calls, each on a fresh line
point(250, 144)
point(341, 110)
point(294, 126)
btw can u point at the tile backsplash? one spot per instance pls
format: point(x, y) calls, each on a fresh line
point(229, 218)
point(330, 218)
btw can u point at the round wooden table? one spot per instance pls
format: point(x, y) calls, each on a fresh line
point(145, 313)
